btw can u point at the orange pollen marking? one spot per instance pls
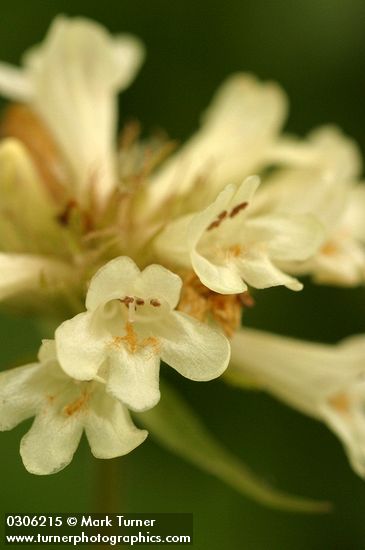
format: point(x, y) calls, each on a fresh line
point(139, 302)
point(116, 342)
point(340, 402)
point(329, 248)
point(130, 340)
point(155, 303)
point(235, 250)
point(153, 342)
point(77, 405)
point(238, 209)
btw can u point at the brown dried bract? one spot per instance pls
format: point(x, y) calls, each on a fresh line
point(21, 123)
point(203, 304)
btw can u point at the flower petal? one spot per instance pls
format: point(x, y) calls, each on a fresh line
point(47, 352)
point(181, 236)
point(201, 220)
point(192, 348)
point(22, 273)
point(155, 281)
point(228, 198)
point(173, 243)
point(23, 229)
point(344, 414)
point(219, 278)
point(340, 262)
point(19, 396)
point(287, 238)
point(112, 281)
point(327, 153)
point(258, 271)
point(129, 53)
point(354, 218)
point(76, 74)
point(109, 428)
point(302, 374)
point(134, 378)
point(80, 346)
point(321, 197)
point(51, 442)
point(14, 83)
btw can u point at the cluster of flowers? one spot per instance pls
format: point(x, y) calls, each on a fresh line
point(166, 245)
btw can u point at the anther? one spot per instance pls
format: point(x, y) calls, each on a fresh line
point(213, 225)
point(238, 209)
point(139, 302)
point(218, 221)
point(154, 302)
point(127, 300)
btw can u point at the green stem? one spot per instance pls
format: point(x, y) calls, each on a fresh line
point(108, 489)
point(108, 486)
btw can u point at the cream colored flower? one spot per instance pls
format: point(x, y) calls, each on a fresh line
point(229, 249)
point(63, 409)
point(238, 129)
point(323, 381)
point(341, 259)
point(326, 153)
point(33, 245)
point(71, 80)
point(130, 322)
point(327, 190)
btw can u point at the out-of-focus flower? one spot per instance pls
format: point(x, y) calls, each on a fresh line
point(341, 259)
point(58, 168)
point(229, 249)
point(34, 247)
point(323, 381)
point(326, 152)
point(71, 80)
point(238, 131)
point(327, 189)
point(130, 321)
point(63, 409)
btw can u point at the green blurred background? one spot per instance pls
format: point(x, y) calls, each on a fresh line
point(316, 50)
